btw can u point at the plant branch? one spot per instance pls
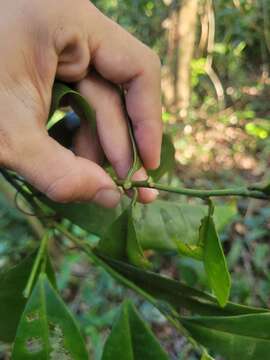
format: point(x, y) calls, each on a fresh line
point(203, 194)
point(41, 255)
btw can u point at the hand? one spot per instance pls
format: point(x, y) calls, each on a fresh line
point(74, 42)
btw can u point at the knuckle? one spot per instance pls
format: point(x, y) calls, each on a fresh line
point(73, 53)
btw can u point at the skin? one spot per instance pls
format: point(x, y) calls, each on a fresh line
point(74, 42)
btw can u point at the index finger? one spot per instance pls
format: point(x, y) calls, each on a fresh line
point(123, 60)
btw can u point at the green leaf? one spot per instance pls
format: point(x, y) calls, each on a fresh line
point(132, 339)
point(47, 330)
point(236, 337)
point(91, 217)
point(214, 261)
point(167, 225)
point(231, 336)
point(162, 225)
point(12, 302)
point(177, 294)
point(134, 249)
point(63, 93)
point(121, 243)
point(113, 243)
point(167, 160)
point(136, 164)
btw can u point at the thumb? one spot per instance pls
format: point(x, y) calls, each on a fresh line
point(62, 176)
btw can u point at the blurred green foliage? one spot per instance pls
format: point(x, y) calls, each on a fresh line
point(142, 18)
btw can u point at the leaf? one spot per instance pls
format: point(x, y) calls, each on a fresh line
point(167, 225)
point(162, 225)
point(47, 330)
point(214, 261)
point(113, 243)
point(137, 163)
point(167, 160)
point(177, 294)
point(231, 336)
point(134, 249)
point(12, 302)
point(234, 337)
point(121, 243)
point(132, 339)
point(63, 93)
point(91, 217)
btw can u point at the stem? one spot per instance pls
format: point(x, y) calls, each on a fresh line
point(241, 191)
point(40, 258)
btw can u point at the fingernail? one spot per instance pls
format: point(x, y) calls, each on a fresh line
point(107, 197)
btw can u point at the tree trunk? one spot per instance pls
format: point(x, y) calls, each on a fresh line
point(186, 42)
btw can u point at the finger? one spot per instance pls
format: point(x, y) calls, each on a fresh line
point(86, 143)
point(112, 128)
point(146, 196)
point(122, 59)
point(111, 122)
point(61, 175)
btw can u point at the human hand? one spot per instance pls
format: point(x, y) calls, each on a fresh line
point(74, 42)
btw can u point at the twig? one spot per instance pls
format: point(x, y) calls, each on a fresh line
point(38, 261)
point(199, 193)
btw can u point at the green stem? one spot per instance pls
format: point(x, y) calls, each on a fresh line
point(40, 258)
point(242, 191)
point(211, 207)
